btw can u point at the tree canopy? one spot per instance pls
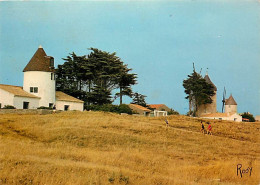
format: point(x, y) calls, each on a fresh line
point(249, 116)
point(93, 77)
point(139, 99)
point(198, 91)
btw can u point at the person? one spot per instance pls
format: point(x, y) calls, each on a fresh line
point(209, 129)
point(202, 130)
point(54, 108)
point(167, 123)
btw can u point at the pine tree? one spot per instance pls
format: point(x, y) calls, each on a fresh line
point(198, 90)
point(139, 99)
point(125, 81)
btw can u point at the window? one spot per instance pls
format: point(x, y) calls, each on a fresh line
point(52, 62)
point(52, 76)
point(66, 107)
point(34, 89)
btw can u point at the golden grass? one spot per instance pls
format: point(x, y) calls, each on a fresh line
point(105, 148)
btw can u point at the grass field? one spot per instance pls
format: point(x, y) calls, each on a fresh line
point(105, 148)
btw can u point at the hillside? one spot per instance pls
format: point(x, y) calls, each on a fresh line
point(105, 148)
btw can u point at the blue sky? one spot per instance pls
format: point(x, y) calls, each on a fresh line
point(159, 40)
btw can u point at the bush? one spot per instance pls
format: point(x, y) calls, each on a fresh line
point(110, 108)
point(42, 107)
point(124, 109)
point(9, 107)
point(248, 116)
point(173, 112)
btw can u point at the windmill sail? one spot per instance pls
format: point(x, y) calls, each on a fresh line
point(224, 99)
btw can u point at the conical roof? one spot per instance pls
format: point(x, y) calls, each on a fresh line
point(209, 81)
point(230, 101)
point(40, 62)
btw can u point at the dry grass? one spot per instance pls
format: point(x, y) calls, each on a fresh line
point(103, 148)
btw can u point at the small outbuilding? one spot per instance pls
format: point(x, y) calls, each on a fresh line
point(67, 102)
point(140, 109)
point(224, 116)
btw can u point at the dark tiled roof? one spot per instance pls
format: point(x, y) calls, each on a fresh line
point(230, 101)
point(17, 91)
point(210, 82)
point(39, 62)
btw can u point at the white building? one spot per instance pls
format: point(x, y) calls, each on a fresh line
point(38, 87)
point(224, 116)
point(230, 112)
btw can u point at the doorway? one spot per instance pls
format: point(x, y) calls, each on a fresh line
point(66, 107)
point(25, 105)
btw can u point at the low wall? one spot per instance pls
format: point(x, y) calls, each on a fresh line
point(26, 111)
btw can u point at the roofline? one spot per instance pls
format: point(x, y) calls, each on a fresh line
point(79, 101)
point(27, 96)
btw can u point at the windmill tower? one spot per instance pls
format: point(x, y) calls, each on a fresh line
point(230, 105)
point(39, 78)
point(212, 107)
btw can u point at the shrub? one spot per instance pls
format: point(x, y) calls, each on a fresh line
point(9, 107)
point(124, 109)
point(42, 107)
point(248, 116)
point(110, 108)
point(173, 112)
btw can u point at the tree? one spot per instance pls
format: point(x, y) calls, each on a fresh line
point(125, 81)
point(139, 99)
point(198, 91)
point(70, 76)
point(249, 116)
point(100, 96)
point(92, 78)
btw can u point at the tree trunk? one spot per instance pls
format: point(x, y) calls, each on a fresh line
point(121, 96)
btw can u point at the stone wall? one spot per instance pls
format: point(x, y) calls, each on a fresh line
point(26, 111)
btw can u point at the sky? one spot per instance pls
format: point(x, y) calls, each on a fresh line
point(159, 40)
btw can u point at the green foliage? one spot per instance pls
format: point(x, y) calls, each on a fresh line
point(139, 99)
point(42, 107)
point(173, 112)
point(92, 78)
point(248, 116)
point(123, 108)
point(125, 81)
point(8, 107)
point(198, 90)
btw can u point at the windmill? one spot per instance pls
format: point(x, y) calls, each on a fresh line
point(224, 99)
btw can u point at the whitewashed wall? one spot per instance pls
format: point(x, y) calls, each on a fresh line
point(72, 105)
point(6, 98)
point(46, 86)
point(230, 118)
point(230, 108)
point(237, 116)
point(33, 102)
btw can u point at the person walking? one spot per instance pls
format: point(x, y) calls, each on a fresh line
point(209, 129)
point(202, 129)
point(166, 122)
